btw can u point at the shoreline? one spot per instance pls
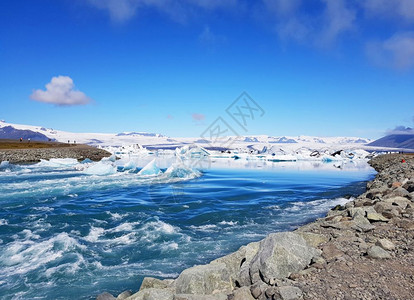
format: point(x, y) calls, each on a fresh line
point(33, 152)
point(362, 250)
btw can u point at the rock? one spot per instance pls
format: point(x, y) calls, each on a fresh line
point(242, 293)
point(150, 282)
point(382, 206)
point(401, 202)
point(124, 295)
point(330, 252)
point(338, 208)
point(363, 227)
point(237, 264)
point(376, 217)
point(396, 184)
point(201, 297)
point(105, 296)
point(279, 255)
point(313, 239)
point(204, 280)
point(258, 289)
point(375, 193)
point(290, 292)
point(409, 186)
point(153, 294)
point(378, 253)
point(272, 293)
point(398, 192)
point(318, 260)
point(385, 244)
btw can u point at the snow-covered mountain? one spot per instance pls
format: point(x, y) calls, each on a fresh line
point(155, 140)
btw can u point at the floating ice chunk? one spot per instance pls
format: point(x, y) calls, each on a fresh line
point(193, 151)
point(4, 165)
point(86, 161)
point(100, 168)
point(151, 169)
point(130, 165)
point(112, 158)
point(58, 162)
point(179, 170)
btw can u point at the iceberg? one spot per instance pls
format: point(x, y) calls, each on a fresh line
point(192, 151)
point(101, 168)
point(179, 170)
point(151, 169)
point(4, 164)
point(112, 158)
point(130, 165)
point(58, 162)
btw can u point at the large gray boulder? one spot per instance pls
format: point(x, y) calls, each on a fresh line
point(279, 255)
point(150, 282)
point(290, 293)
point(220, 276)
point(153, 294)
point(204, 280)
point(105, 296)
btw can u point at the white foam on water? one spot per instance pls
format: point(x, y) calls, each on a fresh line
point(68, 268)
point(117, 216)
point(4, 222)
point(316, 206)
point(206, 228)
point(22, 256)
point(94, 234)
point(166, 246)
point(273, 207)
point(44, 208)
point(230, 223)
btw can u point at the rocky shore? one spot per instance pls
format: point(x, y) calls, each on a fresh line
point(363, 250)
point(29, 155)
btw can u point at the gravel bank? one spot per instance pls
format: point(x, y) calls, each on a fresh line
point(79, 152)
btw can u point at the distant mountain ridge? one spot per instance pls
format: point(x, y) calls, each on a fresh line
point(154, 140)
point(9, 132)
point(401, 141)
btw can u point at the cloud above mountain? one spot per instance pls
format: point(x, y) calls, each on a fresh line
point(61, 91)
point(401, 130)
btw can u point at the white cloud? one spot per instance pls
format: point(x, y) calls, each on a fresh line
point(338, 19)
point(119, 10)
point(123, 10)
point(401, 9)
point(294, 21)
point(61, 91)
point(396, 52)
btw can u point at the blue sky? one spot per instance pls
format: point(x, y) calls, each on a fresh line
point(316, 67)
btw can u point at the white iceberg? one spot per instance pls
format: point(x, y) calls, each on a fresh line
point(179, 170)
point(58, 162)
point(151, 169)
point(101, 168)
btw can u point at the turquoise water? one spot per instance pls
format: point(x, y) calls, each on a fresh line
point(65, 234)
